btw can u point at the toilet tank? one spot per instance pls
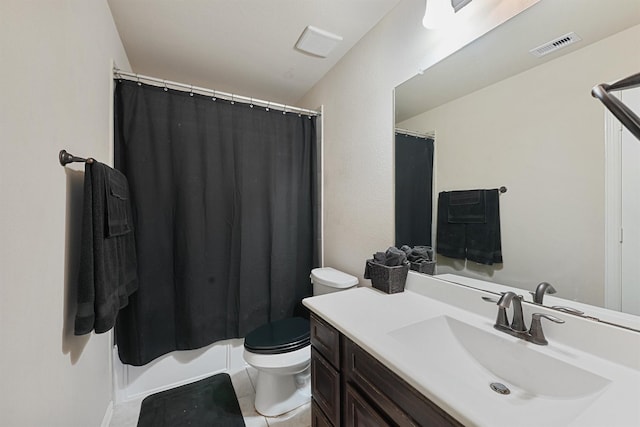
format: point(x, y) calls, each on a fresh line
point(326, 280)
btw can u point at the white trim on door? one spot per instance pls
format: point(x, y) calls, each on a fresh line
point(613, 213)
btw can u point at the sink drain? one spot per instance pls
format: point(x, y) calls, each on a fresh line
point(500, 388)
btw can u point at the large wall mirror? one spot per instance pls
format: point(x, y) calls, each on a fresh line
point(504, 117)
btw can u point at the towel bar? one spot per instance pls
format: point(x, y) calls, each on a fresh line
point(66, 158)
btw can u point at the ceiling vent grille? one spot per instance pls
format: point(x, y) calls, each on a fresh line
point(317, 42)
point(553, 45)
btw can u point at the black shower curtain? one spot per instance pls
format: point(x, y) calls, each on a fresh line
point(414, 186)
point(223, 197)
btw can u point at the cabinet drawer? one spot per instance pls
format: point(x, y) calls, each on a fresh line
point(325, 387)
point(326, 340)
point(358, 412)
point(318, 418)
point(403, 404)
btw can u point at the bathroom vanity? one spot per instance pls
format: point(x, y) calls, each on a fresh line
point(350, 387)
point(430, 356)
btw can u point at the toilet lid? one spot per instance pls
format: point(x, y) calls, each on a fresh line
point(281, 336)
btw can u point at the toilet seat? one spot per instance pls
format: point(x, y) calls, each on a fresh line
point(281, 336)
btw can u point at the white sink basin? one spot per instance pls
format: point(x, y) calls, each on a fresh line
point(470, 358)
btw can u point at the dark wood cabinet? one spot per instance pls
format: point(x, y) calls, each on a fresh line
point(326, 382)
point(359, 413)
point(318, 418)
point(325, 339)
point(325, 387)
point(352, 388)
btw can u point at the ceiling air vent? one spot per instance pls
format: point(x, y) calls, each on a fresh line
point(553, 45)
point(317, 42)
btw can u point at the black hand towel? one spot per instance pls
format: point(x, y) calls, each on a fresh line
point(118, 205)
point(450, 237)
point(108, 266)
point(467, 207)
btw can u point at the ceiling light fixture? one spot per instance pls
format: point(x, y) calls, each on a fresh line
point(440, 13)
point(317, 42)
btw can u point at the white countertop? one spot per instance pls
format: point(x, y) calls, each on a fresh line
point(367, 316)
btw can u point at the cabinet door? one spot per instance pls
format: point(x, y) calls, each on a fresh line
point(326, 340)
point(318, 418)
point(398, 400)
point(325, 387)
point(358, 412)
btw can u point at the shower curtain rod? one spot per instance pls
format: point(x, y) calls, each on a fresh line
point(430, 135)
point(117, 73)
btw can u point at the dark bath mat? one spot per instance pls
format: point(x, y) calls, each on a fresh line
point(205, 403)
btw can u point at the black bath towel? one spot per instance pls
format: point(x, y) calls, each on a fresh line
point(108, 266)
point(483, 241)
point(476, 241)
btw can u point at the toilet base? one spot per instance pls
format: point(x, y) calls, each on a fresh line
point(278, 394)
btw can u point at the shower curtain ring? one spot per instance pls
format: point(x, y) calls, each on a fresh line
point(232, 100)
point(285, 110)
point(166, 89)
point(191, 91)
point(138, 78)
point(267, 107)
point(214, 95)
point(250, 102)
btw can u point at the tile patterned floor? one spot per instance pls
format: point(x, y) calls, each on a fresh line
point(126, 414)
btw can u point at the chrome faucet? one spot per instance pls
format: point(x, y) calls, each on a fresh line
point(517, 322)
point(541, 289)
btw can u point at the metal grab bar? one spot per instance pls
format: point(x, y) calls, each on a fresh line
point(628, 118)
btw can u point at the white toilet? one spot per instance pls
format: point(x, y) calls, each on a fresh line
point(281, 352)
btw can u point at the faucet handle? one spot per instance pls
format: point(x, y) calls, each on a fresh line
point(546, 316)
point(568, 310)
point(536, 335)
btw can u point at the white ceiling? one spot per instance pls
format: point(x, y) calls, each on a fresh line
point(246, 47)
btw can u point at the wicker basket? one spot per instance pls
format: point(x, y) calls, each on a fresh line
point(387, 279)
point(426, 267)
